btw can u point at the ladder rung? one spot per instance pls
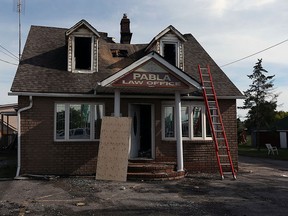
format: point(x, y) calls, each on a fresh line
point(225, 164)
point(223, 155)
point(214, 115)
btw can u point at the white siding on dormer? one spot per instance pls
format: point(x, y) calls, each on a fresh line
point(172, 39)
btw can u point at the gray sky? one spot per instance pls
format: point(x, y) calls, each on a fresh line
point(227, 29)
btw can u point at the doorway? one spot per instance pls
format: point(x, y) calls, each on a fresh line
point(142, 131)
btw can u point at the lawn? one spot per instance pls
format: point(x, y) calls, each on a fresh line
point(247, 150)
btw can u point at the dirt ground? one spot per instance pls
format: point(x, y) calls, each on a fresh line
point(261, 188)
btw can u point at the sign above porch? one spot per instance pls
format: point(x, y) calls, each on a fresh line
point(150, 74)
point(151, 71)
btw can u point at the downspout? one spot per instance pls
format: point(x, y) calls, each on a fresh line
point(19, 134)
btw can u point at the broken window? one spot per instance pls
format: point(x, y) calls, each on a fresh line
point(82, 53)
point(119, 53)
point(169, 53)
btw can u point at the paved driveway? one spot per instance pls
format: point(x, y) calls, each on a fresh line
point(260, 189)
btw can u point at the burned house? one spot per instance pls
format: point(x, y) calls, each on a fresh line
point(69, 78)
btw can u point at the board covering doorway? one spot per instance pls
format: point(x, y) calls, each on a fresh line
point(142, 136)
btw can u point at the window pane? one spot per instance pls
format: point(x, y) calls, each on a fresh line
point(60, 121)
point(98, 120)
point(208, 128)
point(79, 125)
point(197, 121)
point(185, 121)
point(169, 121)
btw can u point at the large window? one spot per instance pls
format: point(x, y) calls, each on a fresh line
point(195, 124)
point(78, 121)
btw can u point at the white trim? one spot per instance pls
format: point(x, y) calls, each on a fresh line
point(153, 150)
point(77, 70)
point(79, 24)
point(163, 32)
point(111, 96)
point(19, 134)
point(117, 103)
point(191, 134)
point(176, 43)
point(117, 75)
point(178, 72)
point(67, 120)
point(180, 164)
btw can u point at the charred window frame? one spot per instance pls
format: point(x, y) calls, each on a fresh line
point(170, 52)
point(83, 55)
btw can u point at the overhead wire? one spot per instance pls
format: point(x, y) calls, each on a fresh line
point(8, 62)
point(10, 53)
point(255, 53)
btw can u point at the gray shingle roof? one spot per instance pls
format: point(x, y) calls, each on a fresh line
point(43, 67)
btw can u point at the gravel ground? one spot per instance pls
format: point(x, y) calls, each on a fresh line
point(261, 188)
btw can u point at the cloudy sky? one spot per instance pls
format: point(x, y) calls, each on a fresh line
point(228, 30)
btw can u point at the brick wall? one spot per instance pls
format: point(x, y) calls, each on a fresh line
point(199, 156)
point(41, 155)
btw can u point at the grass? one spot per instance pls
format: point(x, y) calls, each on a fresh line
point(248, 150)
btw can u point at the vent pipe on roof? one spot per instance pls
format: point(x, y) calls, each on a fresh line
point(126, 35)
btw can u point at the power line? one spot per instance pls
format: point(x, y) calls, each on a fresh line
point(8, 62)
point(10, 54)
point(255, 53)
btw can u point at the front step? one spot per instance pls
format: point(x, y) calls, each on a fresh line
point(153, 171)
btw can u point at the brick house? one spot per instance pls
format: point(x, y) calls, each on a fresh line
point(68, 79)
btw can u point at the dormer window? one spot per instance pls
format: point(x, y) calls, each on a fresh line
point(82, 53)
point(170, 53)
point(82, 48)
point(170, 44)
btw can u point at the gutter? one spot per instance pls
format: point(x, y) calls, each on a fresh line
point(19, 134)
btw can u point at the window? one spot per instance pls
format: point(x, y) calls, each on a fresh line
point(83, 53)
point(78, 121)
point(169, 53)
point(195, 124)
point(169, 121)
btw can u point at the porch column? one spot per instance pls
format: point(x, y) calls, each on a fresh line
point(117, 103)
point(180, 166)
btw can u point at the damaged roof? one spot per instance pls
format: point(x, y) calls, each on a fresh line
point(43, 66)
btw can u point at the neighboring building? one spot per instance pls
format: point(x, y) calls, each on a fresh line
point(276, 135)
point(8, 125)
point(68, 79)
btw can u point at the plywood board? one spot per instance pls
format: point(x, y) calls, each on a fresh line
point(115, 138)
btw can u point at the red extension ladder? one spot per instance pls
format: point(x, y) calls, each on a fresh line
point(222, 149)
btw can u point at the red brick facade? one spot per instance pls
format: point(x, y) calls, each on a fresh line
point(40, 154)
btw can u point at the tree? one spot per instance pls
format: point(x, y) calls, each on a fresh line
point(260, 99)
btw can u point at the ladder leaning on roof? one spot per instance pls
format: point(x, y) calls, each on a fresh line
point(222, 149)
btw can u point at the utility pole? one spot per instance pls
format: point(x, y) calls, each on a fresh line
point(19, 10)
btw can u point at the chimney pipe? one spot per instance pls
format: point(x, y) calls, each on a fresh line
point(126, 35)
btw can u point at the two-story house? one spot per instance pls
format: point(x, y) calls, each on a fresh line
point(68, 79)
